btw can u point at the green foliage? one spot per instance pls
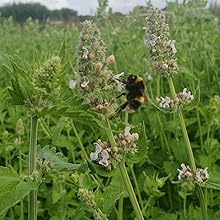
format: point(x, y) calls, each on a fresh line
point(57, 161)
point(12, 188)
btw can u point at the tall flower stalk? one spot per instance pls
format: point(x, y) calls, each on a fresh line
point(163, 55)
point(96, 81)
point(46, 85)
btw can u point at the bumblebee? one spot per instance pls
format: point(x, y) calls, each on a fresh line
point(135, 93)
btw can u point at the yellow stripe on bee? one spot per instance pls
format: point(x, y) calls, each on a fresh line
point(140, 99)
point(139, 79)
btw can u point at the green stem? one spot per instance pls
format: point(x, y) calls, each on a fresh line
point(84, 154)
point(200, 127)
point(120, 207)
point(148, 203)
point(20, 172)
point(183, 127)
point(137, 187)
point(32, 203)
point(202, 203)
point(190, 152)
point(184, 208)
point(44, 127)
point(130, 191)
point(125, 177)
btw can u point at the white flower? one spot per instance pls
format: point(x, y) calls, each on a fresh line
point(185, 172)
point(127, 131)
point(98, 149)
point(104, 158)
point(185, 96)
point(201, 175)
point(149, 77)
point(72, 83)
point(171, 45)
point(85, 82)
point(165, 102)
point(119, 83)
point(188, 94)
point(151, 41)
point(85, 53)
point(118, 76)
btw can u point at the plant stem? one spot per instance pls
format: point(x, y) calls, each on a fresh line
point(190, 152)
point(137, 187)
point(130, 191)
point(84, 154)
point(120, 207)
point(32, 203)
point(184, 208)
point(202, 203)
point(20, 172)
point(125, 177)
point(183, 127)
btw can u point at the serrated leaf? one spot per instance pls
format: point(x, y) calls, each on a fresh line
point(5, 62)
point(58, 161)
point(213, 181)
point(84, 118)
point(12, 188)
point(8, 179)
point(112, 192)
point(100, 170)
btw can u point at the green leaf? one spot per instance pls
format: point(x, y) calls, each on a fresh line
point(113, 192)
point(84, 118)
point(12, 188)
point(142, 146)
point(58, 161)
point(8, 179)
point(5, 62)
point(100, 170)
point(152, 185)
point(213, 181)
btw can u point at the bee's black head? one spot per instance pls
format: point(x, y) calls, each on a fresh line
point(132, 78)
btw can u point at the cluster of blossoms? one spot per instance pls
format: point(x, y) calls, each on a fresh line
point(93, 74)
point(107, 156)
point(162, 48)
point(127, 140)
point(186, 173)
point(19, 131)
point(103, 154)
point(46, 79)
point(181, 98)
point(43, 164)
point(46, 83)
point(88, 197)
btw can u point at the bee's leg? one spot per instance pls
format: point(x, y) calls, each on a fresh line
point(134, 104)
point(121, 95)
point(118, 110)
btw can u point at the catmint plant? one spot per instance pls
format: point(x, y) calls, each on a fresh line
point(96, 81)
point(39, 94)
point(163, 56)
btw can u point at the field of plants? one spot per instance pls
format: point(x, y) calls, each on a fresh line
point(71, 148)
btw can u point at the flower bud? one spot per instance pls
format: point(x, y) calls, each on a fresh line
point(98, 67)
point(20, 127)
point(85, 37)
point(110, 59)
point(114, 150)
point(91, 56)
